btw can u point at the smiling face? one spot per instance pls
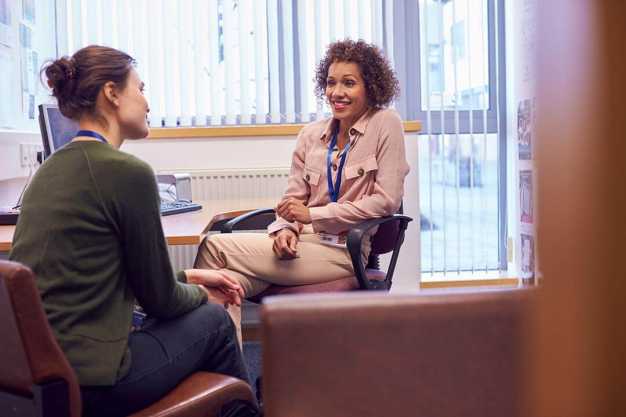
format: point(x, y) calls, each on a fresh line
point(345, 92)
point(133, 108)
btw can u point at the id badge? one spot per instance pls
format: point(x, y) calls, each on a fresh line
point(333, 240)
point(138, 318)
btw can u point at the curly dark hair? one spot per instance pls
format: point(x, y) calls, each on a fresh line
point(381, 84)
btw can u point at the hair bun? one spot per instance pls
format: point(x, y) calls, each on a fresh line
point(62, 78)
point(60, 73)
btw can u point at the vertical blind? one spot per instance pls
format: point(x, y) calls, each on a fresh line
point(217, 62)
point(462, 180)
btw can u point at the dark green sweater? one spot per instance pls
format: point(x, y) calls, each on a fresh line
point(91, 231)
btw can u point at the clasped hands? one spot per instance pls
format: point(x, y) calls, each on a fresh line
point(217, 285)
point(286, 240)
point(293, 210)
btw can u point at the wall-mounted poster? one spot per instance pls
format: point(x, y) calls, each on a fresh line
point(524, 129)
point(526, 196)
point(28, 105)
point(8, 88)
point(6, 37)
point(29, 66)
point(28, 10)
point(26, 36)
point(528, 255)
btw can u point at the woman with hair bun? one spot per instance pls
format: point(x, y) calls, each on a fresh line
point(90, 229)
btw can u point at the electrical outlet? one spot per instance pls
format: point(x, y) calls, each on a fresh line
point(24, 154)
point(37, 149)
point(28, 154)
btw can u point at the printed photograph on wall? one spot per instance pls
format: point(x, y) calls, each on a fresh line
point(29, 66)
point(526, 196)
point(528, 255)
point(524, 129)
point(26, 36)
point(28, 10)
point(8, 87)
point(5, 23)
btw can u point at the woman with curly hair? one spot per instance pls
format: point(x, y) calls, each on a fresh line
point(345, 169)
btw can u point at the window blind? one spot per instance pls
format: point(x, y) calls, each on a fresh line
point(225, 62)
point(462, 191)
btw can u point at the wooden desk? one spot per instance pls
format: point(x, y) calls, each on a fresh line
point(184, 228)
point(6, 236)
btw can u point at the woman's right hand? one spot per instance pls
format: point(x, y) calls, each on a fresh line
point(285, 244)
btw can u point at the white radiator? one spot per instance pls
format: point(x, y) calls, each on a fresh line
point(232, 185)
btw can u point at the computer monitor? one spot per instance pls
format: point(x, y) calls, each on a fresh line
point(56, 129)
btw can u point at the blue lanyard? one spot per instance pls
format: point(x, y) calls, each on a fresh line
point(333, 191)
point(91, 134)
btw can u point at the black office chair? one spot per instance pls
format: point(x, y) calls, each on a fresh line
point(388, 238)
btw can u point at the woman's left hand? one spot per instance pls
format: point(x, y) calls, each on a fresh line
point(213, 279)
point(217, 296)
point(292, 209)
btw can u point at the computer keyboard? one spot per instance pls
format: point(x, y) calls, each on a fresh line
point(8, 216)
point(175, 207)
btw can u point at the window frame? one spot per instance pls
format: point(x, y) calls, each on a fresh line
point(408, 66)
point(497, 97)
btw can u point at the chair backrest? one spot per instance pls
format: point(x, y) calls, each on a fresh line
point(30, 357)
point(453, 353)
point(384, 240)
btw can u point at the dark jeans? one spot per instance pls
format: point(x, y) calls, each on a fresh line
point(163, 353)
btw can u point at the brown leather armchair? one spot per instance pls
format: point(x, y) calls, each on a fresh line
point(443, 354)
point(37, 380)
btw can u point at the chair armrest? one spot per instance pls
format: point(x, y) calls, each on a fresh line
point(201, 394)
point(218, 221)
point(256, 222)
point(354, 244)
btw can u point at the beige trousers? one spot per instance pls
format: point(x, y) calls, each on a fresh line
point(248, 258)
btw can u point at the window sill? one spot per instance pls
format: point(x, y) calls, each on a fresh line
point(8, 135)
point(242, 131)
point(468, 279)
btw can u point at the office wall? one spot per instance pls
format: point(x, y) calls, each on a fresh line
point(521, 40)
point(213, 153)
point(12, 175)
point(10, 153)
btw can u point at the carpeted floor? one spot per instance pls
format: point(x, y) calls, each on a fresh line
point(252, 354)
